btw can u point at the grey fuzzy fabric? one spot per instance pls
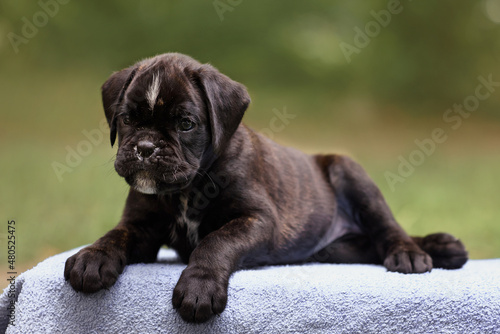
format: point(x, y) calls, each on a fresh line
point(309, 298)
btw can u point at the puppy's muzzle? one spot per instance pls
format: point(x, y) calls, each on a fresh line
point(145, 149)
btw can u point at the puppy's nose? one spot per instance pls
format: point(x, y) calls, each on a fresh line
point(145, 148)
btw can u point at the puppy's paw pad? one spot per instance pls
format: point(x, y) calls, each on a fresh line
point(93, 269)
point(197, 298)
point(407, 262)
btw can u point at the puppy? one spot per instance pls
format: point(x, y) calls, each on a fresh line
point(225, 197)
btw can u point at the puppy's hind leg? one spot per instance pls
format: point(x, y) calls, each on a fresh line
point(358, 195)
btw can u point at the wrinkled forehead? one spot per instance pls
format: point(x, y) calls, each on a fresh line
point(160, 85)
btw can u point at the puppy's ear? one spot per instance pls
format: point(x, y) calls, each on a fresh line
point(113, 91)
point(226, 101)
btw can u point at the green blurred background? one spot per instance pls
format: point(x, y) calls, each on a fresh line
point(405, 71)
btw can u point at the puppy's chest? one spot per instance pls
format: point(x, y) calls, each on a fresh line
point(186, 223)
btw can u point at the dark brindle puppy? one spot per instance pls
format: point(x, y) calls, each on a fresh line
point(225, 197)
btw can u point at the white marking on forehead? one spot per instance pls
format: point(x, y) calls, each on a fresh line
point(153, 91)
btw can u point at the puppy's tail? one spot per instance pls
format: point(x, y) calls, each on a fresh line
point(445, 250)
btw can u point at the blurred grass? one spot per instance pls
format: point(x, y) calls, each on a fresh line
point(456, 190)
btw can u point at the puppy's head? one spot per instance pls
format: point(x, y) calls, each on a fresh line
point(172, 116)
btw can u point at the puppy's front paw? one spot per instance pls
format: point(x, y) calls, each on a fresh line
point(93, 269)
point(408, 259)
point(198, 295)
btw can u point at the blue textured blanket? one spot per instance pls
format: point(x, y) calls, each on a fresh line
point(310, 298)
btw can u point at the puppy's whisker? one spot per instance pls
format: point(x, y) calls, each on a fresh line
point(210, 178)
point(202, 173)
point(110, 160)
point(110, 171)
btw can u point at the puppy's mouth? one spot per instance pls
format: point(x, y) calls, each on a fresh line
point(144, 182)
point(153, 169)
point(155, 178)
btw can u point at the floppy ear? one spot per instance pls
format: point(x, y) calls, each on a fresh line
point(113, 91)
point(226, 101)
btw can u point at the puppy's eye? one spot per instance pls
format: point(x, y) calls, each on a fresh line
point(126, 120)
point(186, 125)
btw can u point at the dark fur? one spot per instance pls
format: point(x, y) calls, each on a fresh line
point(227, 197)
